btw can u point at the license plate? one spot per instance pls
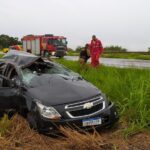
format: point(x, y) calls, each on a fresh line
point(91, 122)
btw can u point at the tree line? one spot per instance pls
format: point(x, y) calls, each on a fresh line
point(6, 41)
point(106, 49)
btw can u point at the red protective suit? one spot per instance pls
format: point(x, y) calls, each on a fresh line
point(96, 50)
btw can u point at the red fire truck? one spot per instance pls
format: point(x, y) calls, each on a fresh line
point(45, 45)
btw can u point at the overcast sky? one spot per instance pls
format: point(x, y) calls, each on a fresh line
point(115, 22)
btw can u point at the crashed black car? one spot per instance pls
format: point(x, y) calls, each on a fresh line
point(50, 95)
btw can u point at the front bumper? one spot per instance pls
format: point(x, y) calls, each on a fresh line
point(60, 53)
point(108, 116)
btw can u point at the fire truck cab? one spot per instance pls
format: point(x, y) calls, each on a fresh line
point(45, 45)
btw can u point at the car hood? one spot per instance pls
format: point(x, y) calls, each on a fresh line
point(53, 90)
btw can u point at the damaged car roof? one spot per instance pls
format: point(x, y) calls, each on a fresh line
point(20, 58)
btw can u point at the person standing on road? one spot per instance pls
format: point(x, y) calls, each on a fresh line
point(96, 50)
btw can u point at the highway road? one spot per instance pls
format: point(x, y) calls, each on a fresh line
point(129, 63)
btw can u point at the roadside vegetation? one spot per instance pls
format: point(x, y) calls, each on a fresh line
point(144, 56)
point(4, 125)
point(6, 41)
point(19, 136)
point(1, 55)
point(128, 88)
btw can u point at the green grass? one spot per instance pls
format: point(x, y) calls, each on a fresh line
point(4, 125)
point(127, 56)
point(128, 88)
point(1, 55)
point(72, 54)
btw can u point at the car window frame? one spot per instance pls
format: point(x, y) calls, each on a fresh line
point(7, 74)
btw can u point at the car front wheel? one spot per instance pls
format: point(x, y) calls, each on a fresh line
point(32, 120)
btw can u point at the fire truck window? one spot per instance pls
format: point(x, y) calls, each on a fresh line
point(57, 42)
point(50, 41)
point(64, 41)
point(54, 42)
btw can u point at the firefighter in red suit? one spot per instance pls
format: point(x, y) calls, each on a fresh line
point(96, 50)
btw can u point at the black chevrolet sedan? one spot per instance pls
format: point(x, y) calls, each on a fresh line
point(50, 95)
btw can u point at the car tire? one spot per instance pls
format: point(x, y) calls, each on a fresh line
point(31, 118)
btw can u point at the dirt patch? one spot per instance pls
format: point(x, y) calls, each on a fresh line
point(21, 137)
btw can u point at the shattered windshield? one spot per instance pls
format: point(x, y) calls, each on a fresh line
point(62, 71)
point(39, 68)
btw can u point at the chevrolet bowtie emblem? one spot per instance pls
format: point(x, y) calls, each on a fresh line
point(87, 105)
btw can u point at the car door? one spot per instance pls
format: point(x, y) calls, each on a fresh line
point(7, 97)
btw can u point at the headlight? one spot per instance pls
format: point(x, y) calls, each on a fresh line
point(48, 112)
point(53, 53)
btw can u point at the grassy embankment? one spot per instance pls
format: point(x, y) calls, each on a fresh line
point(1, 55)
point(142, 56)
point(128, 88)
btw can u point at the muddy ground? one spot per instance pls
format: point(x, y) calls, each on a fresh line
point(21, 137)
